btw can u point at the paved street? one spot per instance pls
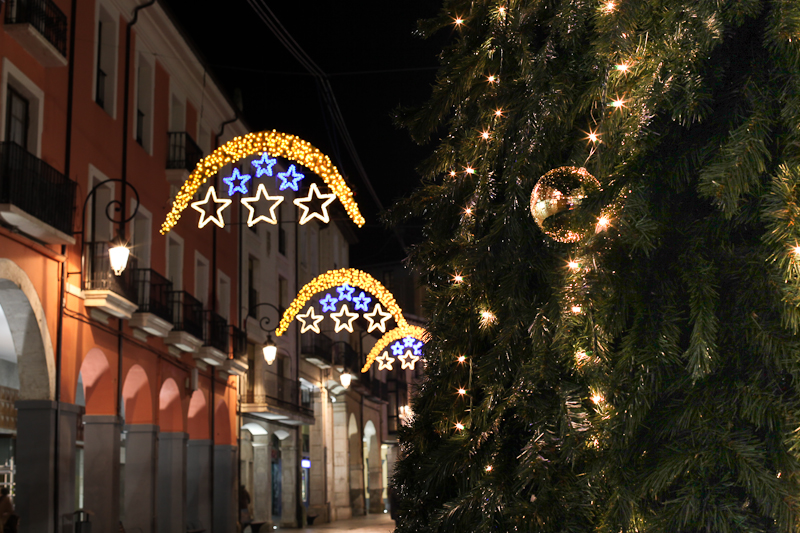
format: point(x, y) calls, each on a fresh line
point(374, 523)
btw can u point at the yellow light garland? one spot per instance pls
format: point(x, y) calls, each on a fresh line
point(396, 334)
point(333, 278)
point(276, 144)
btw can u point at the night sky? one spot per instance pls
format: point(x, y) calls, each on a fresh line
point(374, 62)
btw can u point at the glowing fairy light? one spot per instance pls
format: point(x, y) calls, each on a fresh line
point(221, 204)
point(581, 356)
point(593, 137)
point(277, 144)
point(492, 78)
point(487, 318)
point(498, 112)
point(622, 67)
point(459, 21)
point(609, 7)
point(462, 391)
point(576, 309)
point(796, 251)
point(488, 468)
point(602, 222)
point(485, 135)
point(469, 170)
point(598, 398)
point(452, 173)
point(574, 265)
point(459, 426)
point(461, 359)
point(618, 103)
point(468, 211)
point(458, 278)
point(502, 10)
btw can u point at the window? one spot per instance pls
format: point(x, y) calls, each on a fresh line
point(144, 103)
point(22, 111)
point(175, 260)
point(177, 114)
point(252, 289)
point(106, 60)
point(201, 278)
point(99, 227)
point(17, 118)
point(281, 231)
point(223, 295)
point(283, 294)
point(140, 236)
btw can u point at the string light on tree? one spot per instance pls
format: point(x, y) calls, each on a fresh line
point(307, 215)
point(458, 278)
point(574, 265)
point(221, 204)
point(462, 391)
point(277, 144)
point(469, 170)
point(622, 67)
point(576, 309)
point(459, 426)
point(618, 103)
point(262, 194)
point(487, 318)
point(461, 359)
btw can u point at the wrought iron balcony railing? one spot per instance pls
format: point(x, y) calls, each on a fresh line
point(344, 354)
point(187, 313)
point(100, 276)
point(238, 343)
point(183, 151)
point(216, 332)
point(316, 345)
point(44, 16)
point(35, 187)
point(283, 392)
point(152, 293)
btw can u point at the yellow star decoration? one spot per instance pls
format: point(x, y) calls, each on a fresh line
point(312, 192)
point(277, 144)
point(348, 324)
point(400, 332)
point(252, 219)
point(385, 361)
point(409, 360)
point(379, 324)
point(221, 205)
point(334, 278)
point(311, 316)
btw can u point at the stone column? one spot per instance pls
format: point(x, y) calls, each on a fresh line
point(37, 463)
point(262, 480)
point(101, 436)
point(290, 472)
point(341, 465)
point(171, 510)
point(139, 491)
point(226, 491)
point(198, 485)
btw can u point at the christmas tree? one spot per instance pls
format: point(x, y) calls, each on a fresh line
point(612, 257)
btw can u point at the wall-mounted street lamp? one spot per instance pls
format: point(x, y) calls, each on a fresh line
point(270, 350)
point(118, 251)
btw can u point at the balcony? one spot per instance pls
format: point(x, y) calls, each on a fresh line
point(237, 359)
point(182, 157)
point(41, 28)
point(104, 291)
point(316, 348)
point(282, 400)
point(215, 340)
point(154, 316)
point(35, 197)
point(187, 316)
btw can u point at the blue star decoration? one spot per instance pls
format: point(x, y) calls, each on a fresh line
point(398, 348)
point(293, 183)
point(408, 342)
point(362, 301)
point(231, 180)
point(264, 165)
point(417, 347)
point(328, 303)
point(346, 292)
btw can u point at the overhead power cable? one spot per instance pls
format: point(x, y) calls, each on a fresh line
point(324, 86)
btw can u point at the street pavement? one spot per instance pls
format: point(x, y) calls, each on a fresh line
point(373, 523)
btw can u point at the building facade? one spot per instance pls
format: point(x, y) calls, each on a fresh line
point(144, 397)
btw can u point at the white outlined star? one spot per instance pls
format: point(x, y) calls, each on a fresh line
point(385, 361)
point(312, 192)
point(313, 317)
point(348, 325)
point(409, 360)
point(377, 324)
point(252, 219)
point(204, 217)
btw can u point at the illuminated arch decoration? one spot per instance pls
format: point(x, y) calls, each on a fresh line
point(351, 277)
point(276, 144)
point(397, 334)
